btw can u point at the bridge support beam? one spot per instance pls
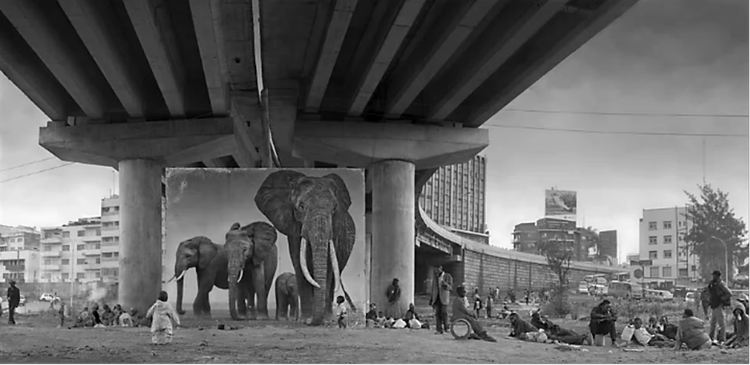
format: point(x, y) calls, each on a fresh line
point(392, 250)
point(140, 233)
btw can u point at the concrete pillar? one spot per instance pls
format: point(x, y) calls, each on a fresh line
point(140, 233)
point(392, 230)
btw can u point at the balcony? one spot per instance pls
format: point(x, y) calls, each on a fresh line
point(110, 259)
point(15, 268)
point(51, 253)
point(91, 252)
point(52, 240)
point(92, 266)
point(56, 267)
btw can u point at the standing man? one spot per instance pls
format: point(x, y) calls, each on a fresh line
point(14, 298)
point(440, 298)
point(719, 297)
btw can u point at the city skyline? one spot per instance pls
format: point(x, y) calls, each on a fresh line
point(695, 62)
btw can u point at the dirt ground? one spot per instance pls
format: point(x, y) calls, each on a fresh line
point(36, 340)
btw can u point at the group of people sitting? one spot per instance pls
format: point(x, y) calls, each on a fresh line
point(106, 316)
point(378, 319)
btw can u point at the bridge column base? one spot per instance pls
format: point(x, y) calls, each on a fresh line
point(140, 233)
point(392, 231)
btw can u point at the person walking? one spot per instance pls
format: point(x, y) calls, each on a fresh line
point(14, 299)
point(719, 297)
point(440, 298)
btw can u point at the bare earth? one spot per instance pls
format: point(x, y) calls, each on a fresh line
point(36, 340)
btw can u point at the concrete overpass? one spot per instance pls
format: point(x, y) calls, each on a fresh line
point(398, 87)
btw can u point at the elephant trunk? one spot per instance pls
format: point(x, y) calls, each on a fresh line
point(320, 269)
point(233, 298)
point(235, 273)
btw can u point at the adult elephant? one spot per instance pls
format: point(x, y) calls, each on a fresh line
point(210, 262)
point(252, 258)
point(313, 212)
point(287, 296)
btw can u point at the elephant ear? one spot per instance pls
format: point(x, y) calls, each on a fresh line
point(344, 230)
point(342, 192)
point(274, 200)
point(264, 240)
point(206, 251)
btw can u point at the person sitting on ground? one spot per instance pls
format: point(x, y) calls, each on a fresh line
point(381, 321)
point(96, 316)
point(504, 312)
point(125, 319)
point(690, 332)
point(519, 326)
point(653, 326)
point(538, 321)
point(412, 318)
point(371, 317)
point(117, 312)
point(84, 319)
point(557, 333)
point(107, 316)
point(603, 319)
point(667, 329)
point(461, 312)
point(635, 332)
point(740, 336)
point(341, 311)
point(745, 302)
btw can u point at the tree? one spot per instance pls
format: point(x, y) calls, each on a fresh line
point(713, 221)
point(559, 254)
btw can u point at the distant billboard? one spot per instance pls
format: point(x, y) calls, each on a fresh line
point(560, 204)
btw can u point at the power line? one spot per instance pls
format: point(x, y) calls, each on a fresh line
point(628, 114)
point(26, 164)
point(37, 172)
point(727, 135)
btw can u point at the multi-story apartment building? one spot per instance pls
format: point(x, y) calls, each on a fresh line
point(19, 253)
point(608, 244)
point(662, 240)
point(18, 238)
point(110, 252)
point(72, 252)
point(454, 197)
point(526, 237)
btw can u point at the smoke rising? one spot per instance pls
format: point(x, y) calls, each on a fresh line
point(97, 294)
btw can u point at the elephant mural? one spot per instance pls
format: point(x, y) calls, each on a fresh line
point(313, 212)
point(210, 262)
point(252, 258)
point(287, 296)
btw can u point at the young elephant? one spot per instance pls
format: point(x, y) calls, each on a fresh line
point(287, 297)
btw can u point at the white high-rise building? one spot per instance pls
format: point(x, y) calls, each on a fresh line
point(662, 240)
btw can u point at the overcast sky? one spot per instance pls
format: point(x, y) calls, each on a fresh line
point(663, 56)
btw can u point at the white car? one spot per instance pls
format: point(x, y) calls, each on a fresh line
point(47, 297)
point(583, 288)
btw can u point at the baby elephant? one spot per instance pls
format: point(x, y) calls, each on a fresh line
point(287, 297)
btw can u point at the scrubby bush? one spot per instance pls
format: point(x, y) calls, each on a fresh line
point(558, 304)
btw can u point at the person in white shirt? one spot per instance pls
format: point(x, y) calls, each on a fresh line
point(636, 331)
point(341, 311)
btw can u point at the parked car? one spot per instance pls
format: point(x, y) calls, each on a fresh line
point(47, 297)
point(583, 287)
point(598, 289)
point(623, 289)
point(658, 295)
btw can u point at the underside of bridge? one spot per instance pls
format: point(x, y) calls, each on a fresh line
point(398, 87)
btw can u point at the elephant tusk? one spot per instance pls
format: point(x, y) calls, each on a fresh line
point(303, 263)
point(168, 281)
point(242, 272)
point(181, 275)
point(334, 266)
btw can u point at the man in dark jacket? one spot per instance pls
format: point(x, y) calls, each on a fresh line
point(442, 286)
point(603, 320)
point(14, 299)
point(719, 297)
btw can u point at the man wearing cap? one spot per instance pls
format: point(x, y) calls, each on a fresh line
point(14, 298)
point(719, 297)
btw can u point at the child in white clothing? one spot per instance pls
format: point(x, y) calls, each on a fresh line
point(341, 311)
point(163, 315)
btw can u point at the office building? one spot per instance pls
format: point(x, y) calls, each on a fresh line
point(607, 244)
point(454, 197)
point(526, 237)
point(662, 240)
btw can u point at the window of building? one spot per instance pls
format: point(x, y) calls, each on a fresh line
point(683, 273)
point(66, 234)
point(80, 247)
point(652, 226)
point(65, 275)
point(666, 272)
point(654, 272)
point(81, 261)
point(66, 261)
point(66, 248)
point(667, 224)
point(98, 246)
point(47, 262)
point(667, 239)
point(81, 275)
point(652, 240)
point(98, 260)
point(97, 275)
point(652, 255)
point(692, 268)
point(98, 232)
point(667, 254)
point(81, 233)
point(47, 248)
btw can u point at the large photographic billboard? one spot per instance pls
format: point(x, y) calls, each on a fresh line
point(560, 204)
point(203, 206)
